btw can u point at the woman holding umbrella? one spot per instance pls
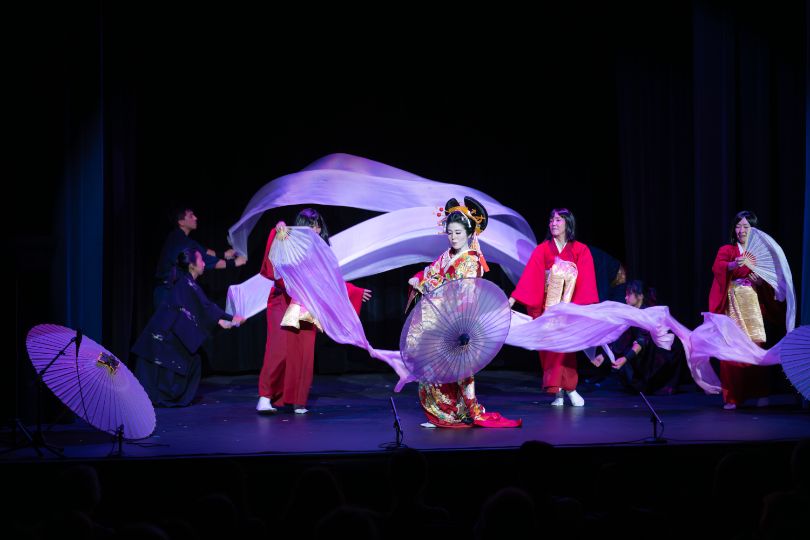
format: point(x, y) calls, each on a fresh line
point(455, 405)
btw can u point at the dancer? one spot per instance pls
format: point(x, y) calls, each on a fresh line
point(550, 278)
point(741, 294)
point(289, 355)
point(178, 240)
point(168, 365)
point(455, 405)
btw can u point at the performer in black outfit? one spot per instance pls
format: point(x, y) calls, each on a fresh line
point(168, 364)
point(177, 241)
point(641, 365)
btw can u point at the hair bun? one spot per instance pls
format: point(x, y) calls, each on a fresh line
point(478, 211)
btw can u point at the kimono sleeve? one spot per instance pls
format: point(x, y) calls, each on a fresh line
point(530, 288)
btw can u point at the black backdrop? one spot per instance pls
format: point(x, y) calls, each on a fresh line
point(654, 123)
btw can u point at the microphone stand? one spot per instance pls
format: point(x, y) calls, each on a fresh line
point(118, 443)
point(37, 440)
point(656, 421)
point(397, 430)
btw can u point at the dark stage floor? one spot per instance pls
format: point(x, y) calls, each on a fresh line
point(351, 413)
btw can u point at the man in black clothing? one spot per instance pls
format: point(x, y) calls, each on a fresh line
point(177, 241)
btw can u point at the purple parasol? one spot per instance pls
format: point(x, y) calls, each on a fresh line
point(94, 384)
point(455, 330)
point(795, 356)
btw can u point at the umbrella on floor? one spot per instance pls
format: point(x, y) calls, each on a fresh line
point(91, 381)
point(455, 330)
point(795, 357)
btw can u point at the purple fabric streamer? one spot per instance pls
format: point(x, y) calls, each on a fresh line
point(563, 327)
point(345, 180)
point(304, 254)
point(406, 234)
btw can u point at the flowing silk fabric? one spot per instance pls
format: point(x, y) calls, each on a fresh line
point(346, 180)
point(390, 241)
point(249, 297)
point(304, 253)
point(405, 234)
point(586, 326)
point(567, 327)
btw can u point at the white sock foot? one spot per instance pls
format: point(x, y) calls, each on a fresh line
point(558, 400)
point(264, 405)
point(576, 399)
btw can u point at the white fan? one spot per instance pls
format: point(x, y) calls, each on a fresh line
point(770, 263)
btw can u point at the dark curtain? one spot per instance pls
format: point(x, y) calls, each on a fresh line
point(59, 219)
point(654, 108)
point(805, 291)
point(122, 273)
point(709, 112)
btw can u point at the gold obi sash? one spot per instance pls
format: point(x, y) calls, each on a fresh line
point(295, 314)
point(562, 278)
point(743, 309)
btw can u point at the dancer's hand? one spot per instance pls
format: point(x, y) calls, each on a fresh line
point(240, 261)
point(230, 254)
point(511, 301)
point(750, 260)
point(366, 295)
point(597, 360)
point(238, 320)
point(282, 230)
point(619, 362)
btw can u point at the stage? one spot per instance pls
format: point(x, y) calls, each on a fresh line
point(352, 414)
point(220, 444)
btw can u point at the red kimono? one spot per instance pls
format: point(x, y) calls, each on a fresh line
point(740, 381)
point(559, 369)
point(289, 353)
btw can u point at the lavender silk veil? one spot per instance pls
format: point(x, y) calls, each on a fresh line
point(563, 327)
point(407, 234)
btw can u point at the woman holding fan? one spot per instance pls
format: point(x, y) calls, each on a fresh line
point(289, 356)
point(737, 291)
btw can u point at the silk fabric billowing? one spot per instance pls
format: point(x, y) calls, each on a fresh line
point(406, 234)
point(561, 328)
